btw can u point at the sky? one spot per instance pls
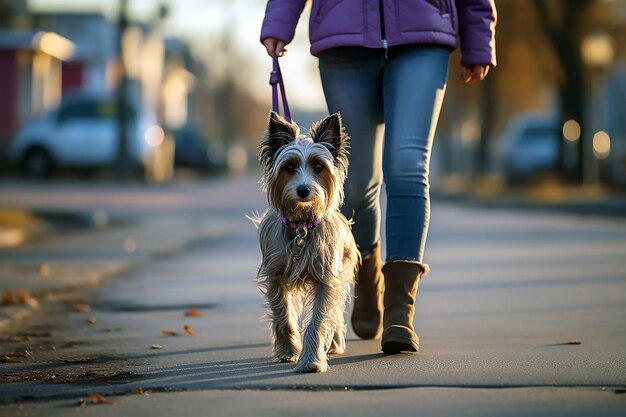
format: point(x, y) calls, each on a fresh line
point(203, 23)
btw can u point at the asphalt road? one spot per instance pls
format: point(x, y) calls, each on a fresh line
point(522, 314)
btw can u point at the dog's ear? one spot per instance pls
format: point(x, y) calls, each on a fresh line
point(330, 132)
point(279, 132)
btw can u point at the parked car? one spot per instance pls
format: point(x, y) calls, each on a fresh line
point(530, 147)
point(194, 151)
point(82, 132)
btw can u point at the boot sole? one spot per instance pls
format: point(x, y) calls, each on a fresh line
point(398, 339)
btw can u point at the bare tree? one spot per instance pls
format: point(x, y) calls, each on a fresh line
point(563, 22)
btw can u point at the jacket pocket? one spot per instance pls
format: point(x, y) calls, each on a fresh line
point(444, 7)
point(448, 12)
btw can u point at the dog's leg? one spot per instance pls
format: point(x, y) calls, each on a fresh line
point(341, 295)
point(318, 333)
point(338, 344)
point(285, 331)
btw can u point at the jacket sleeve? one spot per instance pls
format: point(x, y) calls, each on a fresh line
point(281, 18)
point(477, 30)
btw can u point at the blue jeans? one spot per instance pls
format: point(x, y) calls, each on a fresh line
point(404, 91)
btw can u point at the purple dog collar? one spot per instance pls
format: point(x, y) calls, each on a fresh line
point(294, 226)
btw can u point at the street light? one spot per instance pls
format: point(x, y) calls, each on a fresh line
point(601, 145)
point(571, 130)
point(597, 51)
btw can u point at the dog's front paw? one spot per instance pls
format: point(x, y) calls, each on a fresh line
point(285, 358)
point(311, 366)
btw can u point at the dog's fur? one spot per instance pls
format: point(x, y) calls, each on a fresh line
point(306, 282)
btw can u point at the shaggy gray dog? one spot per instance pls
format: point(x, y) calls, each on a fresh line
point(309, 255)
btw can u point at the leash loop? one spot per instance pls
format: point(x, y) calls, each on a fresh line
point(276, 80)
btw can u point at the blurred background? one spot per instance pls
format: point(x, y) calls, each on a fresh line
point(156, 90)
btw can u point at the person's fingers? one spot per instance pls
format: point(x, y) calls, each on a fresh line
point(477, 73)
point(486, 71)
point(466, 75)
point(280, 48)
point(274, 47)
point(270, 45)
point(474, 73)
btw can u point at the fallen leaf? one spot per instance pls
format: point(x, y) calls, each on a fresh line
point(138, 391)
point(99, 399)
point(92, 320)
point(7, 298)
point(189, 330)
point(7, 357)
point(44, 270)
point(81, 308)
point(194, 313)
point(156, 347)
point(31, 302)
point(22, 296)
point(168, 333)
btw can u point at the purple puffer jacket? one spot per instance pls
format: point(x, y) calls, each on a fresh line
point(381, 23)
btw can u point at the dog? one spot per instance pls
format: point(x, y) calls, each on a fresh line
point(309, 256)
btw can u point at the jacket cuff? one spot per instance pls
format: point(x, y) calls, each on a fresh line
point(277, 31)
point(281, 19)
point(478, 57)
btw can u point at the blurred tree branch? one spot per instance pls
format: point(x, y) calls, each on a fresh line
point(563, 23)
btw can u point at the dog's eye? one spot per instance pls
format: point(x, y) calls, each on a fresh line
point(318, 167)
point(291, 168)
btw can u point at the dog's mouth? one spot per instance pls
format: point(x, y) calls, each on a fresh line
point(303, 210)
point(302, 205)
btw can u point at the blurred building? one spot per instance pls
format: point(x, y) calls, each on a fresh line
point(179, 82)
point(91, 67)
point(31, 76)
point(45, 56)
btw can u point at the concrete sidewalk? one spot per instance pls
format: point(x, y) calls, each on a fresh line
point(58, 264)
point(61, 238)
point(522, 314)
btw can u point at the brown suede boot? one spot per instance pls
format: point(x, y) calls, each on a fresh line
point(401, 281)
point(368, 302)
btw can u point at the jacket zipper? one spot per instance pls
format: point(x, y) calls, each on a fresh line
point(383, 36)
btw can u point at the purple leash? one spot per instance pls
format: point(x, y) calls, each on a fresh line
point(276, 78)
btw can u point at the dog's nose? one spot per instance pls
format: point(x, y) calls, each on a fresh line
point(303, 191)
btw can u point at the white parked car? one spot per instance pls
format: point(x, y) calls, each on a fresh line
point(82, 132)
point(530, 146)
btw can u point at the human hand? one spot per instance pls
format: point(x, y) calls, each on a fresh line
point(471, 73)
point(274, 46)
